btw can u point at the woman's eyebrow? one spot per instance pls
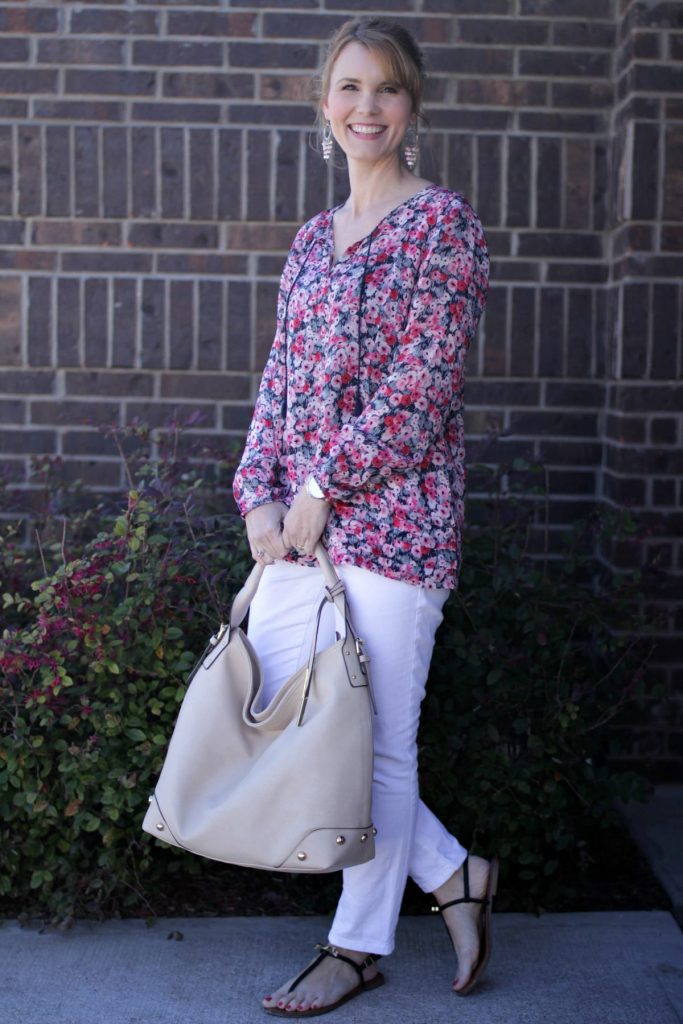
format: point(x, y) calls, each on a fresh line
point(386, 81)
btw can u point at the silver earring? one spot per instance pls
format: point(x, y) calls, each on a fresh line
point(411, 146)
point(328, 141)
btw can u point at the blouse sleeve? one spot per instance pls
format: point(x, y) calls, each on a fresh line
point(407, 412)
point(259, 478)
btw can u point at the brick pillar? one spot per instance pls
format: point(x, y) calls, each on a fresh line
point(643, 432)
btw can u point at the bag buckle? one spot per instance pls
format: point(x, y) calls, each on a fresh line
point(217, 637)
point(363, 658)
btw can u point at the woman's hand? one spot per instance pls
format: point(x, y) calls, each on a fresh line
point(264, 532)
point(304, 523)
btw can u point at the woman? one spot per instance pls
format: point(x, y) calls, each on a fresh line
point(357, 437)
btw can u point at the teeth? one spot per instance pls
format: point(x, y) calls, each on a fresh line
point(365, 130)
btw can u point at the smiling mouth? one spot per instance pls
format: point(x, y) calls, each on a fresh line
point(367, 131)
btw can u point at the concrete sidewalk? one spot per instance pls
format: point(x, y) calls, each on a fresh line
point(586, 968)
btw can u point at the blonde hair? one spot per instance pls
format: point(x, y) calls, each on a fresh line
point(392, 42)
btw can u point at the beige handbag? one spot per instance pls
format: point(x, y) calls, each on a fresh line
point(287, 787)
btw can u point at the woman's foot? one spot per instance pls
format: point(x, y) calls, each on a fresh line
point(463, 920)
point(329, 982)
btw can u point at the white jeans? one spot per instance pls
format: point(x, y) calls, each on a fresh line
point(398, 622)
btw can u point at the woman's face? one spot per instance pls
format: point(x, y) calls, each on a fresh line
point(368, 112)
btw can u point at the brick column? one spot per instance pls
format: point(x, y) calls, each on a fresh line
point(643, 434)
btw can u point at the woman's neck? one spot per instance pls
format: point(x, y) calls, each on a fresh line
point(373, 188)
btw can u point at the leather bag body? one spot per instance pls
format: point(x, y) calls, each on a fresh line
point(287, 787)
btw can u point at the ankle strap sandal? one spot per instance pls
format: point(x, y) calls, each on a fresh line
point(362, 986)
point(484, 923)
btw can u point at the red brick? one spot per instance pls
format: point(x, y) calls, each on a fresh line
point(40, 321)
point(272, 55)
point(173, 236)
point(208, 85)
point(14, 51)
point(202, 263)
point(96, 320)
point(172, 173)
point(472, 60)
point(86, 171)
point(225, 386)
point(28, 80)
point(125, 314)
point(104, 22)
point(212, 333)
point(109, 383)
point(497, 31)
point(80, 51)
point(162, 54)
point(78, 110)
point(27, 382)
point(193, 113)
point(115, 172)
point(219, 25)
point(10, 321)
point(67, 411)
point(30, 178)
point(12, 232)
point(58, 171)
point(27, 442)
point(103, 262)
point(589, 9)
point(181, 325)
point(201, 178)
point(28, 19)
point(239, 325)
point(143, 148)
point(153, 321)
point(109, 83)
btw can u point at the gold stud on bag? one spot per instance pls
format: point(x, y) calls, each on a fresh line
point(287, 787)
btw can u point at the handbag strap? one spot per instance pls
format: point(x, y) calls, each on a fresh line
point(335, 587)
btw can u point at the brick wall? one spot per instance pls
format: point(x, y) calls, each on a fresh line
point(155, 164)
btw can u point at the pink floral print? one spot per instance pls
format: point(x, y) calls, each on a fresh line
point(363, 387)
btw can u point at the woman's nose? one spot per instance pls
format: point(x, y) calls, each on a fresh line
point(366, 103)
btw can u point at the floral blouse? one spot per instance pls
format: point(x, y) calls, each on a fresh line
point(363, 388)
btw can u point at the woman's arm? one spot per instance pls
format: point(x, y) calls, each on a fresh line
point(258, 479)
point(406, 413)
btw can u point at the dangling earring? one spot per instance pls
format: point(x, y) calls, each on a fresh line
point(328, 141)
point(411, 146)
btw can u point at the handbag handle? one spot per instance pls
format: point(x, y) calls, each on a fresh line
point(240, 605)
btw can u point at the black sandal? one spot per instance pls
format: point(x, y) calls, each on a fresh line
point(484, 923)
point(363, 985)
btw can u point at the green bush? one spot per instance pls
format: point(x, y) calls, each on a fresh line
point(94, 654)
point(535, 657)
point(93, 669)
